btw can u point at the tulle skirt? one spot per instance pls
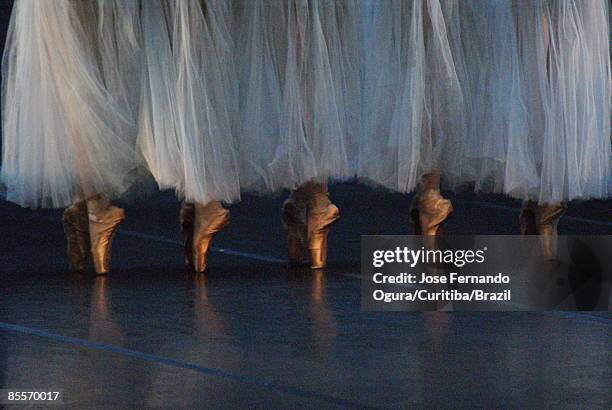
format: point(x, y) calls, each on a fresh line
point(189, 99)
point(413, 108)
point(538, 92)
point(511, 96)
point(68, 117)
point(298, 75)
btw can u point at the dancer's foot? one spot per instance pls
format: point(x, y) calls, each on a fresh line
point(103, 225)
point(208, 220)
point(428, 211)
point(76, 228)
point(320, 220)
point(547, 218)
point(307, 216)
point(542, 220)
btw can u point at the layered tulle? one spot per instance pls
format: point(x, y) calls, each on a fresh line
point(538, 90)
point(512, 96)
point(189, 98)
point(576, 156)
point(298, 72)
point(497, 116)
point(412, 103)
point(68, 130)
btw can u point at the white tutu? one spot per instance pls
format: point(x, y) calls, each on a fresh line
point(298, 77)
point(189, 99)
point(576, 155)
point(67, 127)
point(412, 103)
point(538, 89)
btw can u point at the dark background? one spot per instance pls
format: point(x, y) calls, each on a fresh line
point(5, 15)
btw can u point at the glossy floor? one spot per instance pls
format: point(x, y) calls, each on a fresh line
point(254, 333)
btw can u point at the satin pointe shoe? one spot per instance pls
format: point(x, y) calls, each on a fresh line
point(428, 211)
point(76, 229)
point(542, 220)
point(320, 219)
point(296, 228)
point(546, 220)
point(102, 228)
point(187, 216)
point(208, 220)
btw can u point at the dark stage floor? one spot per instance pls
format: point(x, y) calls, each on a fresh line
point(254, 333)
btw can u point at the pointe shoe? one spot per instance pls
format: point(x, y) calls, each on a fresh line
point(76, 228)
point(208, 220)
point(187, 217)
point(102, 229)
point(428, 211)
point(542, 220)
point(547, 219)
point(319, 222)
point(295, 225)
